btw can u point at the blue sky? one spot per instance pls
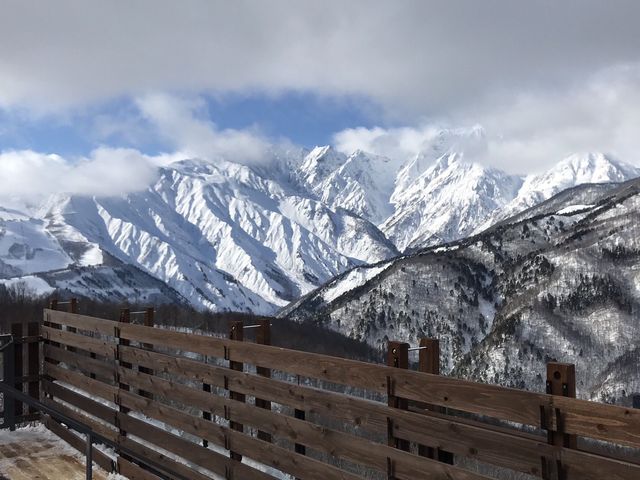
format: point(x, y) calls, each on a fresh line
point(303, 118)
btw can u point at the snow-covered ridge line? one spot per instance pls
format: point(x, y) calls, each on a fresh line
point(227, 236)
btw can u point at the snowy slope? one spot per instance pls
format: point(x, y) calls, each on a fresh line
point(362, 182)
point(221, 235)
point(446, 202)
point(576, 169)
point(26, 246)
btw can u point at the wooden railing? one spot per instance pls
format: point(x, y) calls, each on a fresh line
point(200, 405)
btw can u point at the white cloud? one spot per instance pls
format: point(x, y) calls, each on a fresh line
point(397, 143)
point(31, 176)
point(183, 123)
point(535, 130)
point(180, 122)
point(415, 57)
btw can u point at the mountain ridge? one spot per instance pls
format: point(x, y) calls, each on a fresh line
point(229, 236)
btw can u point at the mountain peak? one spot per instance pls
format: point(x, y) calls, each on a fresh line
point(595, 167)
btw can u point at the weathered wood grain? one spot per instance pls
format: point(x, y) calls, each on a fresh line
point(102, 368)
point(78, 380)
point(83, 342)
point(81, 322)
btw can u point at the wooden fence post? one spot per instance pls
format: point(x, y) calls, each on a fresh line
point(236, 333)
point(18, 366)
point(53, 305)
point(429, 362)
point(33, 355)
point(561, 380)
point(73, 308)
point(148, 322)
point(125, 317)
point(263, 337)
point(206, 415)
point(397, 357)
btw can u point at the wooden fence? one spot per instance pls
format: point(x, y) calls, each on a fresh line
point(201, 406)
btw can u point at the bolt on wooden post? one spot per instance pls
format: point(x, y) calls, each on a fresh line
point(236, 333)
point(397, 357)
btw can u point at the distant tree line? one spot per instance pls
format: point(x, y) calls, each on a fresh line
point(20, 304)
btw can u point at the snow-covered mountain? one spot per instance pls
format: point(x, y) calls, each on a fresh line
point(559, 281)
point(227, 236)
point(220, 235)
point(362, 182)
point(576, 169)
point(446, 202)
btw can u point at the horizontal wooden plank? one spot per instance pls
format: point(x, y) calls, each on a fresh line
point(605, 422)
point(258, 450)
point(364, 414)
point(170, 467)
point(356, 411)
point(472, 439)
point(586, 466)
point(338, 444)
point(100, 458)
point(82, 402)
point(500, 402)
point(82, 322)
point(83, 382)
point(164, 363)
point(80, 417)
point(90, 344)
point(133, 472)
point(186, 342)
point(161, 387)
point(189, 451)
point(102, 368)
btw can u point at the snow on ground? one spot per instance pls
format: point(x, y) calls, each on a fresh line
point(356, 277)
point(35, 284)
point(39, 435)
point(450, 248)
point(29, 248)
point(571, 209)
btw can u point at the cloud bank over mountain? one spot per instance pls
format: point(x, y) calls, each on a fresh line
point(533, 132)
point(540, 80)
point(412, 56)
